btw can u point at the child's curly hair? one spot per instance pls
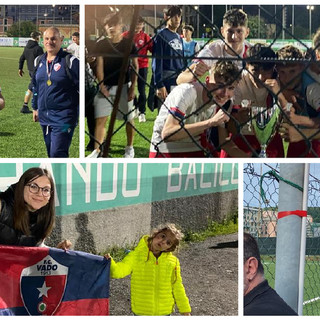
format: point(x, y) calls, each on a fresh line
point(178, 235)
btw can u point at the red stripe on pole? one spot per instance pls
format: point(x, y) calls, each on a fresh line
point(300, 213)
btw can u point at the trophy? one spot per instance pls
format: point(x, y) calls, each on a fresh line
point(265, 124)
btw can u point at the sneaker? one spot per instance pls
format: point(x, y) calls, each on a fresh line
point(25, 109)
point(142, 117)
point(94, 154)
point(129, 152)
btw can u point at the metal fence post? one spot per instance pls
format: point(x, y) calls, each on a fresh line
point(289, 235)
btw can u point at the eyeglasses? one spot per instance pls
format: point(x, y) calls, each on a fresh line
point(34, 188)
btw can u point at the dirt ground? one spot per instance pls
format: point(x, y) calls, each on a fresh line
point(210, 275)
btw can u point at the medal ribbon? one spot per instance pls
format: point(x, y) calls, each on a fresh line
point(49, 71)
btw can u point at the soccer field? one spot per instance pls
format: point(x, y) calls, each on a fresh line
point(20, 137)
point(311, 282)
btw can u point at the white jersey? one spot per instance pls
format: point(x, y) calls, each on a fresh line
point(217, 50)
point(182, 102)
point(313, 96)
point(74, 48)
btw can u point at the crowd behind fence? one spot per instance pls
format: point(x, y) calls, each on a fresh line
point(260, 220)
point(244, 123)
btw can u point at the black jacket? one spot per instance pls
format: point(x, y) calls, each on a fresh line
point(8, 235)
point(264, 301)
point(30, 52)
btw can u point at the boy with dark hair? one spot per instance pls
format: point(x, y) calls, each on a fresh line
point(109, 53)
point(190, 46)
point(143, 44)
point(30, 52)
point(168, 54)
point(190, 109)
point(74, 47)
point(303, 92)
point(234, 31)
point(254, 89)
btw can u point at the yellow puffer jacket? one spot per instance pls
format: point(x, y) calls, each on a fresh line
point(156, 284)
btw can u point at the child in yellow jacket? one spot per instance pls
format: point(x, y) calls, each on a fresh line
point(156, 283)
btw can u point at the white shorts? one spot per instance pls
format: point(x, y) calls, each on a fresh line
point(103, 106)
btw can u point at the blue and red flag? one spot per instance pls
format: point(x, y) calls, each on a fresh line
point(48, 281)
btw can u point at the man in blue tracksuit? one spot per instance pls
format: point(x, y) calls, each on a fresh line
point(56, 94)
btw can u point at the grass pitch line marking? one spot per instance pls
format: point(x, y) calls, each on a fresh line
point(7, 58)
point(312, 300)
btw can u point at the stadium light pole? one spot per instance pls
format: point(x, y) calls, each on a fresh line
point(53, 7)
point(292, 25)
point(196, 8)
point(212, 14)
point(310, 8)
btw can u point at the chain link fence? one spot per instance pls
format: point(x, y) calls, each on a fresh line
point(260, 220)
point(254, 124)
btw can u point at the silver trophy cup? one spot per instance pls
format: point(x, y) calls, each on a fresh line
point(265, 124)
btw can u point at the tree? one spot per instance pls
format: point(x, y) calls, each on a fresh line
point(253, 24)
point(22, 29)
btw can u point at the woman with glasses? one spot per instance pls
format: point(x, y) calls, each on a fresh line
point(27, 210)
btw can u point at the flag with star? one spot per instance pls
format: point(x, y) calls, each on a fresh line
point(48, 281)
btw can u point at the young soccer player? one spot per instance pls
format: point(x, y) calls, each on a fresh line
point(190, 109)
point(303, 92)
point(254, 87)
point(234, 31)
point(156, 283)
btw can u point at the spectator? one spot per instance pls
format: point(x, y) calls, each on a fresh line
point(190, 46)
point(143, 44)
point(108, 65)
point(74, 47)
point(56, 95)
point(30, 52)
point(167, 43)
point(27, 210)
point(259, 298)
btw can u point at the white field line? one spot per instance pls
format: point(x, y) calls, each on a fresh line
point(8, 58)
point(312, 300)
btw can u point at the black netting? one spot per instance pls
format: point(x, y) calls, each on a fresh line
point(291, 108)
point(260, 220)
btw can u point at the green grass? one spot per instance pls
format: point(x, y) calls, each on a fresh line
point(227, 226)
point(311, 281)
point(20, 137)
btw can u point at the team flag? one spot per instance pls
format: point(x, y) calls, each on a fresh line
point(48, 281)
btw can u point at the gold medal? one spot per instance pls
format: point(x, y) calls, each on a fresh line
point(49, 82)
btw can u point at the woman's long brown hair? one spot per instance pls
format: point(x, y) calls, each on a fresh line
point(45, 215)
